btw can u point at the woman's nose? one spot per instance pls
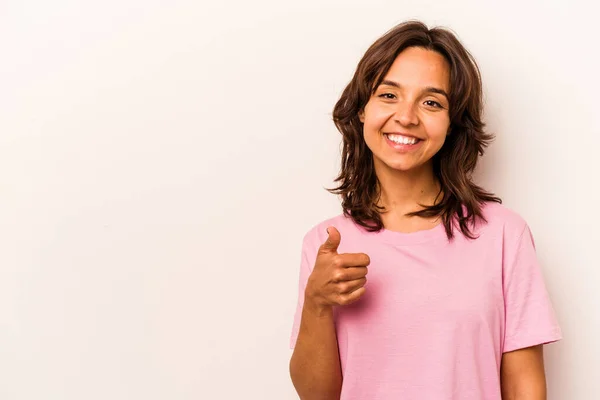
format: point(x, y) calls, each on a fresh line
point(406, 114)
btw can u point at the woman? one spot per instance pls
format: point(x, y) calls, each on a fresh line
point(455, 306)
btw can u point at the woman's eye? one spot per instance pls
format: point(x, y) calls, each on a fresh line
point(432, 103)
point(387, 96)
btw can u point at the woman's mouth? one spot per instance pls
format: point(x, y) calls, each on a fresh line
point(401, 142)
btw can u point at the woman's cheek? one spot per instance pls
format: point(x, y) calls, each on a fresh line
point(436, 125)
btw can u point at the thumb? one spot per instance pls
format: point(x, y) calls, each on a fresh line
point(333, 240)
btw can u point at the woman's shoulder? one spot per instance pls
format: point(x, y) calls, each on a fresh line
point(501, 217)
point(317, 233)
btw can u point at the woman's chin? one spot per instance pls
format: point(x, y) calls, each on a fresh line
point(400, 165)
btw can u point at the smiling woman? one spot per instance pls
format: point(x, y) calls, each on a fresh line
point(413, 83)
point(405, 124)
point(455, 306)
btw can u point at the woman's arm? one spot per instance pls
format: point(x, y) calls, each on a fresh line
point(522, 374)
point(336, 280)
point(315, 364)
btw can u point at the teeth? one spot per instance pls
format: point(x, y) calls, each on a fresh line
point(402, 139)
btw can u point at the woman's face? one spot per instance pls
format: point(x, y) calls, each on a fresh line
point(406, 120)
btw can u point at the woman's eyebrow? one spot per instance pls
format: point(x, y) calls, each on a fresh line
point(428, 89)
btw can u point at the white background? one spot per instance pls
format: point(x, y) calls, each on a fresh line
point(160, 162)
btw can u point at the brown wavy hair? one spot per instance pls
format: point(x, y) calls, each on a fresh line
point(454, 163)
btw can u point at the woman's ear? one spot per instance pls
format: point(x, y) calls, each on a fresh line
point(361, 116)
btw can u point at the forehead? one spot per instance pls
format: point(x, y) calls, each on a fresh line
point(419, 67)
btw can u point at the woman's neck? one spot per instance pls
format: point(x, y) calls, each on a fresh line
point(403, 192)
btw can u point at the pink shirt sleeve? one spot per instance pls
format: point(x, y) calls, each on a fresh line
point(530, 318)
point(305, 270)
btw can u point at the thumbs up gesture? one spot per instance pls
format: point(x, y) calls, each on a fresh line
point(336, 279)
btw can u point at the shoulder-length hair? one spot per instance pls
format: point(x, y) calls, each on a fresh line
point(454, 163)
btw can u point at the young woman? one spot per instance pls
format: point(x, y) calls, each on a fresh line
point(455, 305)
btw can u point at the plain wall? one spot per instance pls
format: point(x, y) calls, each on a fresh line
point(160, 162)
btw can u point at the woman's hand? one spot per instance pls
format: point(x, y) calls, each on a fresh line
point(336, 279)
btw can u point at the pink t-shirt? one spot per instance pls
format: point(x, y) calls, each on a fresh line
point(437, 314)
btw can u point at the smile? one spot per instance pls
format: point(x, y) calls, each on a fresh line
point(402, 143)
point(401, 139)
